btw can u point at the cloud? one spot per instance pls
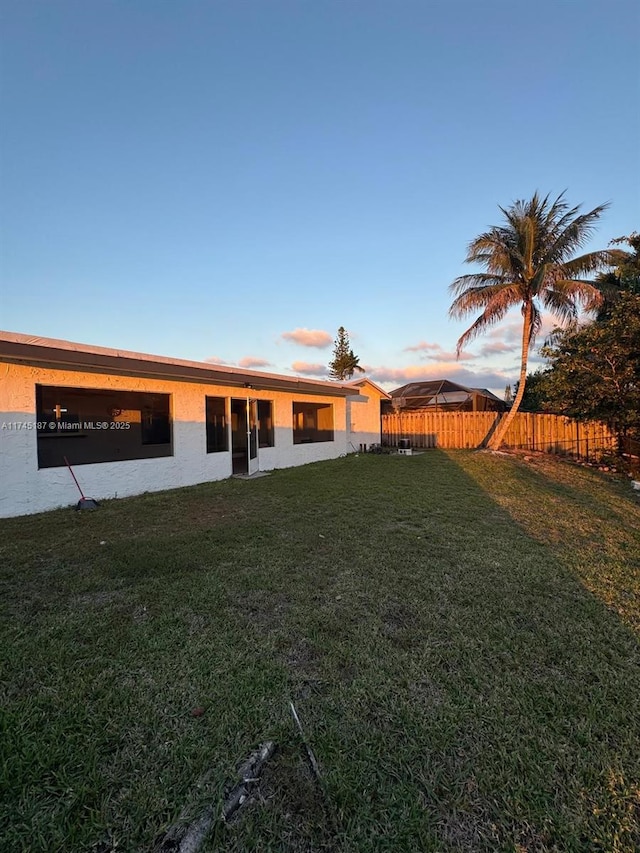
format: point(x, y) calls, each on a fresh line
point(509, 332)
point(307, 369)
point(250, 361)
point(507, 336)
point(423, 345)
point(213, 359)
point(434, 352)
point(309, 338)
point(497, 348)
point(443, 355)
point(400, 375)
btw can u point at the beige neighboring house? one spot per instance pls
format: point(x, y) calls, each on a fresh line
point(131, 422)
point(364, 414)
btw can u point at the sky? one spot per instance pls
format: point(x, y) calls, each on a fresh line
point(233, 180)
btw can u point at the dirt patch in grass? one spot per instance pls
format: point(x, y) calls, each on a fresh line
point(405, 526)
point(100, 598)
point(308, 688)
point(262, 610)
point(289, 800)
point(303, 658)
point(399, 623)
point(465, 832)
point(347, 672)
point(427, 692)
point(398, 615)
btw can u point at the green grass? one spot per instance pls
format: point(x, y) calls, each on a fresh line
point(459, 632)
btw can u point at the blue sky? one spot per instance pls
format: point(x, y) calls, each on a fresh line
point(235, 180)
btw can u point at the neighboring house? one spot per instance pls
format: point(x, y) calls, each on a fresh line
point(441, 395)
point(364, 420)
point(133, 422)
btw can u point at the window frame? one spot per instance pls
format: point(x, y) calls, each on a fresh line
point(99, 425)
point(266, 434)
point(306, 422)
point(224, 426)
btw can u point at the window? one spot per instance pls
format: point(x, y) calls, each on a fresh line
point(217, 433)
point(155, 425)
point(91, 425)
point(312, 422)
point(265, 423)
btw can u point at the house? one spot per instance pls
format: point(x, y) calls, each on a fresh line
point(442, 395)
point(133, 422)
point(365, 420)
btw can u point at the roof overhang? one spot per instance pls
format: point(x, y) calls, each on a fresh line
point(358, 383)
point(65, 355)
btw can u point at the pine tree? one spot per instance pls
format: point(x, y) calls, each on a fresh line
point(344, 362)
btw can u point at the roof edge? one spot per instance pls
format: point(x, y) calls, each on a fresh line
point(22, 347)
point(358, 382)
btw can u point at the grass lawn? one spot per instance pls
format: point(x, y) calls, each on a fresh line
point(459, 633)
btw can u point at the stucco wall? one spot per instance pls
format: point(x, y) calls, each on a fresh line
point(364, 418)
point(26, 489)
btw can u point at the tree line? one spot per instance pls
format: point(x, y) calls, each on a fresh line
point(593, 370)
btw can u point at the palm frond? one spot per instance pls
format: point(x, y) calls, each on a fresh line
point(573, 235)
point(494, 311)
point(557, 210)
point(559, 215)
point(494, 250)
point(575, 294)
point(618, 257)
point(476, 298)
point(589, 263)
point(474, 280)
point(561, 306)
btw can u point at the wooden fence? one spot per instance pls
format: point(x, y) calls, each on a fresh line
point(550, 433)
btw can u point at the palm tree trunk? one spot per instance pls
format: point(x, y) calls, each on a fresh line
point(497, 438)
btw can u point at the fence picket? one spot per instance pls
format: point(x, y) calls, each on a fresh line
point(529, 431)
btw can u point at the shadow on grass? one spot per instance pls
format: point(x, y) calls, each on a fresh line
point(590, 522)
point(460, 686)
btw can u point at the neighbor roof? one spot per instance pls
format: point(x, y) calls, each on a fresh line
point(433, 392)
point(488, 393)
point(68, 355)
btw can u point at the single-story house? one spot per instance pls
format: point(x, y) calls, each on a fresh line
point(133, 422)
point(364, 421)
point(442, 395)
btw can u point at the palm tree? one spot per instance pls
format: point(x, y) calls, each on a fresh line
point(529, 261)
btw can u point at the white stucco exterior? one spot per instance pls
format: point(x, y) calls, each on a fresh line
point(363, 414)
point(25, 488)
point(28, 362)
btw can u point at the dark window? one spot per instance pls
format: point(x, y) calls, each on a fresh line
point(155, 426)
point(265, 423)
point(91, 425)
point(217, 433)
point(312, 422)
